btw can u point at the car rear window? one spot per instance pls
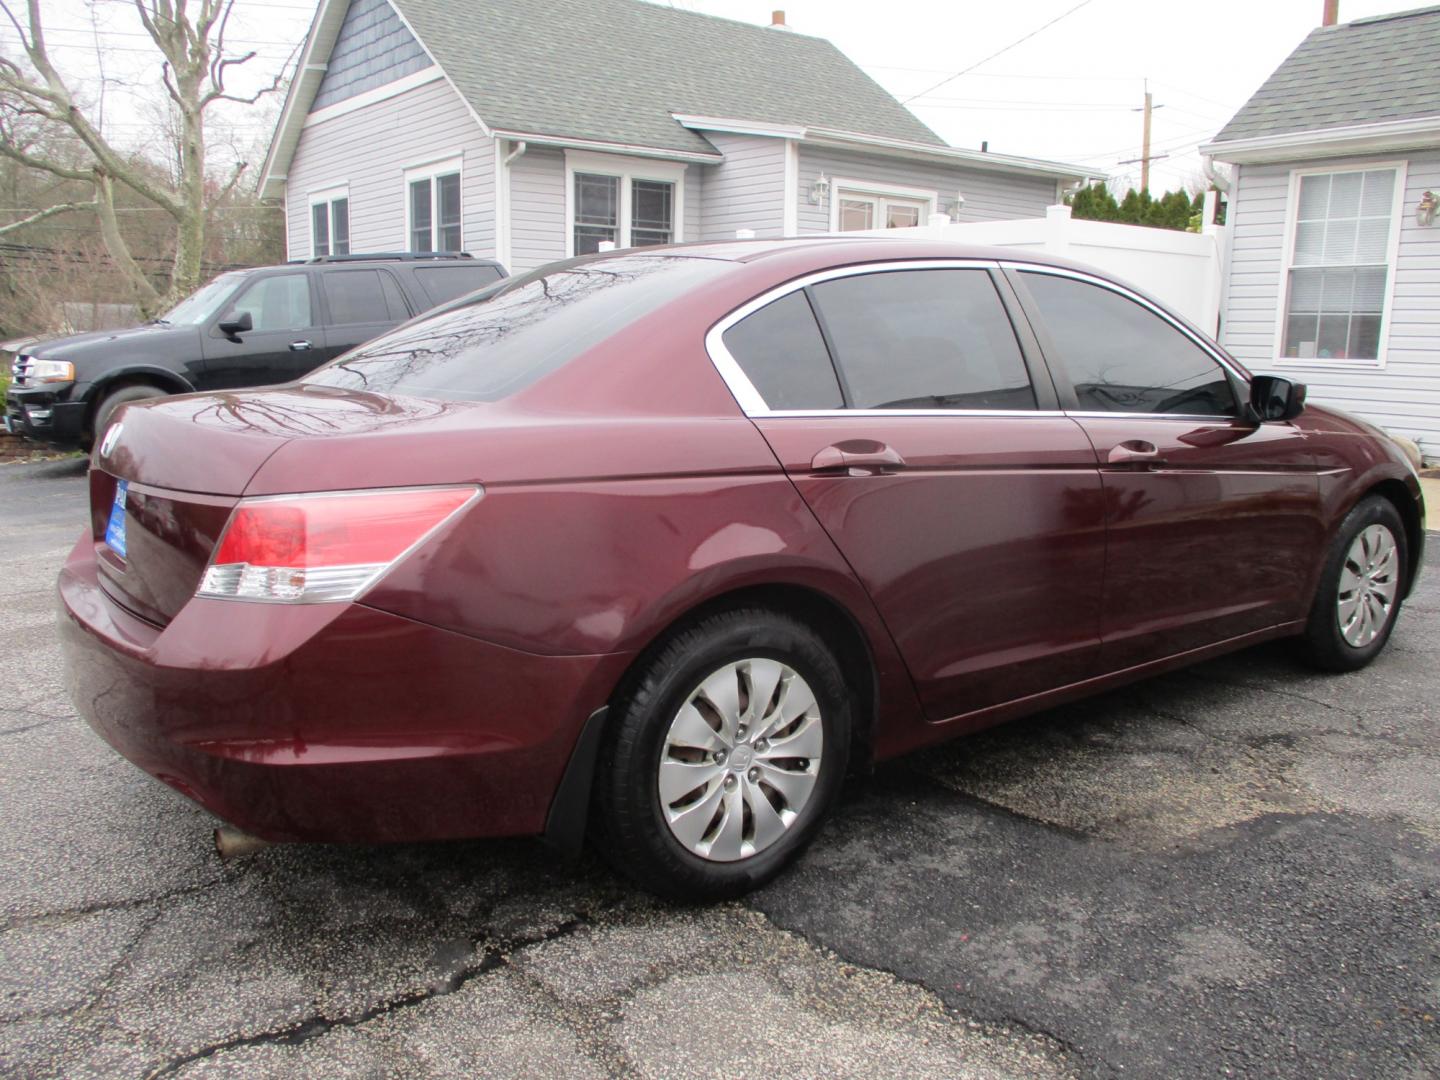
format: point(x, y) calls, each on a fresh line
point(530, 326)
point(442, 283)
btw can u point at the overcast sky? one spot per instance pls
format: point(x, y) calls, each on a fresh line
point(1070, 93)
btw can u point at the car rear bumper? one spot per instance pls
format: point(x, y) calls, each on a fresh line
point(42, 416)
point(328, 722)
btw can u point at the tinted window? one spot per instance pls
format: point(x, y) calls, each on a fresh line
point(500, 342)
point(360, 296)
point(1122, 357)
point(441, 283)
point(780, 349)
point(277, 303)
point(923, 339)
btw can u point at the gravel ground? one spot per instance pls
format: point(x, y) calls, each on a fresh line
point(1229, 871)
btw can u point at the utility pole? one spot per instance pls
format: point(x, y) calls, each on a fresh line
point(1145, 156)
point(1145, 143)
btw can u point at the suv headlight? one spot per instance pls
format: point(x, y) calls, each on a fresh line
point(49, 371)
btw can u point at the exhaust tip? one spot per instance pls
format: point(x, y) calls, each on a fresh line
point(232, 844)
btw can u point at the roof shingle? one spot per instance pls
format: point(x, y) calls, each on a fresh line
point(1363, 72)
point(615, 70)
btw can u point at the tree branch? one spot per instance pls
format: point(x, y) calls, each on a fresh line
point(48, 212)
point(115, 242)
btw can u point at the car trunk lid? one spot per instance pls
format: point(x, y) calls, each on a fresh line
point(165, 479)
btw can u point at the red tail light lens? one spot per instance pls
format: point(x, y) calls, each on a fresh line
point(330, 546)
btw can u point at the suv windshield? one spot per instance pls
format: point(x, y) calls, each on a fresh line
point(204, 301)
point(497, 341)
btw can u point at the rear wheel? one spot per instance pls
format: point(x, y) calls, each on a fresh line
point(110, 405)
point(724, 757)
point(1361, 589)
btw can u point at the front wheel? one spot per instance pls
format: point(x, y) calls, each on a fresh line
point(1361, 589)
point(724, 757)
point(110, 405)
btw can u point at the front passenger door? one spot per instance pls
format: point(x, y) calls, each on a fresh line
point(284, 339)
point(1213, 521)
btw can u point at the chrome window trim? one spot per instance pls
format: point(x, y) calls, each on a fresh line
point(749, 399)
point(950, 413)
point(1150, 305)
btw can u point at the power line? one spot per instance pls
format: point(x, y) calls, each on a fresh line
point(1000, 52)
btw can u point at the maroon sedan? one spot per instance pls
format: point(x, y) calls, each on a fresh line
point(666, 542)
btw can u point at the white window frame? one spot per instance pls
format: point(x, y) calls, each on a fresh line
point(840, 187)
point(1287, 257)
point(327, 196)
point(627, 169)
point(429, 170)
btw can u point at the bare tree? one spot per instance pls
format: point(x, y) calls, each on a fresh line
point(191, 40)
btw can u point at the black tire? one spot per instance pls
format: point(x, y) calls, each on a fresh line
point(110, 404)
point(1323, 645)
point(633, 833)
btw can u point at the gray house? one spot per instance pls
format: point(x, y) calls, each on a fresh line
point(531, 130)
point(1333, 272)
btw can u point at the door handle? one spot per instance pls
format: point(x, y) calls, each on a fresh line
point(1135, 452)
point(300, 346)
point(858, 457)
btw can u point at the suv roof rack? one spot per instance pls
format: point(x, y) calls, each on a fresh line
point(391, 256)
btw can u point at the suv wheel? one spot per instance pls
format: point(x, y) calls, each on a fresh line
point(725, 757)
point(110, 404)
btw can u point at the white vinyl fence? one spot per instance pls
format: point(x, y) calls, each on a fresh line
point(1181, 269)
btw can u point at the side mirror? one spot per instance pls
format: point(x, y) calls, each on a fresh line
point(1274, 398)
point(235, 325)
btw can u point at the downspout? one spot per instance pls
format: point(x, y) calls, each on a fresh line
point(502, 204)
point(1207, 164)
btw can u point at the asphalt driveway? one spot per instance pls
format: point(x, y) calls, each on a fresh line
point(1230, 871)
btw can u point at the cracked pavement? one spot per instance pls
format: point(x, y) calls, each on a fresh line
point(1230, 870)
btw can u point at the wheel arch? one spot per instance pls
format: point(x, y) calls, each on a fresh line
point(822, 612)
point(1399, 495)
point(158, 377)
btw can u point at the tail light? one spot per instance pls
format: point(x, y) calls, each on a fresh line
point(329, 546)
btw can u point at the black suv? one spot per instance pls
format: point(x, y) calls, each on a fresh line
point(245, 328)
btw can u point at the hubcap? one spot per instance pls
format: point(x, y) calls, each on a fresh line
point(741, 759)
point(1368, 583)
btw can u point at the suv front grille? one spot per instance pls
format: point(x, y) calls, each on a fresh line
point(20, 369)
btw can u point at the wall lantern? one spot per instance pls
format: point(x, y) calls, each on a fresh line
point(820, 189)
point(1425, 212)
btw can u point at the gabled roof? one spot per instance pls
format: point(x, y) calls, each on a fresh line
point(615, 70)
point(633, 76)
point(1370, 71)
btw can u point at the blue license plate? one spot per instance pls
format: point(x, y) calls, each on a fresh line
point(115, 530)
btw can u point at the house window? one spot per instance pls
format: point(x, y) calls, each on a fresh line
point(1339, 269)
point(330, 223)
point(857, 209)
point(597, 212)
point(433, 209)
point(628, 202)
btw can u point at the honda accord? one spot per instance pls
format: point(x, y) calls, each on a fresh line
point(658, 546)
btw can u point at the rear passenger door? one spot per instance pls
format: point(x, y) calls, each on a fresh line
point(360, 304)
point(901, 403)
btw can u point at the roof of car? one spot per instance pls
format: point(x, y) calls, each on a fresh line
point(841, 249)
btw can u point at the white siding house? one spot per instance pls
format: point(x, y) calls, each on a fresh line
point(1333, 271)
point(412, 125)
